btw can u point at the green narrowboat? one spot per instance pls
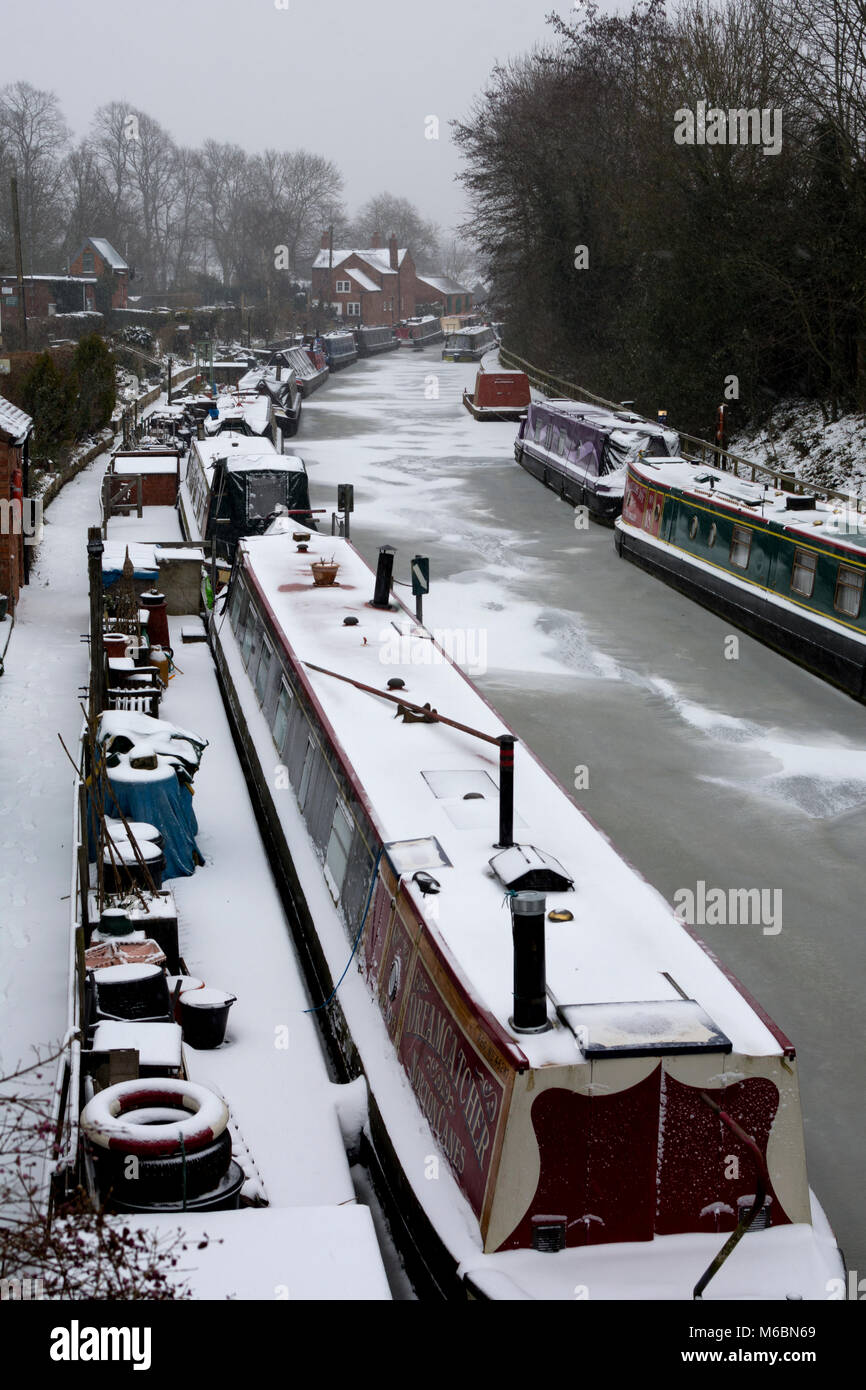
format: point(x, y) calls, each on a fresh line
point(785, 567)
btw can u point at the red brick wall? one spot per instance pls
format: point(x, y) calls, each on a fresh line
point(11, 546)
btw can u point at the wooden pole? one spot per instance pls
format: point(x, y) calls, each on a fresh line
point(95, 550)
point(19, 259)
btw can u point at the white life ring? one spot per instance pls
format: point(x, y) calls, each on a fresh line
point(103, 1123)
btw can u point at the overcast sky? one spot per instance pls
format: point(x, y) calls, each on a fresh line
point(351, 81)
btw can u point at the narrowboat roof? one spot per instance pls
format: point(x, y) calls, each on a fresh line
point(337, 334)
point(253, 407)
point(432, 794)
point(826, 520)
point(245, 453)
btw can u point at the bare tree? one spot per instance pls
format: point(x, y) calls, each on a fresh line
point(33, 140)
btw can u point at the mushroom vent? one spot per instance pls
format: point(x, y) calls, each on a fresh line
point(523, 867)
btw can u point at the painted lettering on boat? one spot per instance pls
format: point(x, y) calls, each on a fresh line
point(459, 1094)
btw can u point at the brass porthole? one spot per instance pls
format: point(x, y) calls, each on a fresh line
point(693, 528)
point(712, 535)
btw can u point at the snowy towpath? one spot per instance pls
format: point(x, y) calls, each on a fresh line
point(46, 664)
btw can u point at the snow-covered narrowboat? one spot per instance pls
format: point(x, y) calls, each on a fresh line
point(340, 349)
point(375, 339)
point(559, 1073)
point(499, 395)
point(309, 367)
point(469, 344)
point(581, 451)
point(420, 332)
point(281, 385)
point(784, 566)
point(235, 485)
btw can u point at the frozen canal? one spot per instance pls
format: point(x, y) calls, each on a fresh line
point(742, 773)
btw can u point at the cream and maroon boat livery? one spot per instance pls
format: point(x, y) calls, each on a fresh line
point(555, 1063)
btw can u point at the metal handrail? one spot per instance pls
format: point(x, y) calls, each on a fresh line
point(701, 449)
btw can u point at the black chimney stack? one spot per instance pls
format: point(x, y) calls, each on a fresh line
point(384, 570)
point(530, 974)
point(506, 791)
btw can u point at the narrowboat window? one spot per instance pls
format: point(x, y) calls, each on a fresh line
point(252, 636)
point(803, 572)
point(265, 492)
point(263, 669)
point(281, 718)
point(711, 539)
point(849, 591)
point(693, 528)
point(307, 773)
point(339, 844)
point(237, 602)
point(539, 429)
point(741, 546)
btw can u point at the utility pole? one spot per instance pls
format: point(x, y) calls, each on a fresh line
point(330, 267)
point(95, 549)
point(19, 259)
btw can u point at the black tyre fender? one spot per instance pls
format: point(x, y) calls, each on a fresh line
point(162, 1179)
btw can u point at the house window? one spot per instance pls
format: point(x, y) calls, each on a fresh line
point(87, 263)
point(741, 546)
point(803, 572)
point(693, 528)
point(849, 591)
point(353, 311)
point(337, 858)
point(344, 287)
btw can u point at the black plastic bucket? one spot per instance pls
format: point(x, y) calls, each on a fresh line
point(204, 1015)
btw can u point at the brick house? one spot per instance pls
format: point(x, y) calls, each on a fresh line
point(98, 257)
point(44, 296)
point(15, 428)
point(376, 285)
point(441, 289)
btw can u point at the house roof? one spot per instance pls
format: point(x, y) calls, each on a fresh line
point(363, 280)
point(379, 257)
point(443, 283)
point(104, 250)
point(14, 424)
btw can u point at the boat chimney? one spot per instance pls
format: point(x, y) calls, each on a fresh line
point(279, 371)
point(530, 974)
point(384, 570)
point(506, 791)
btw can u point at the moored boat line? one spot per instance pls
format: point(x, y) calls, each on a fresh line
point(174, 1120)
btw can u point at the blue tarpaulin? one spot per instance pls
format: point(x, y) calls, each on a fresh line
point(158, 798)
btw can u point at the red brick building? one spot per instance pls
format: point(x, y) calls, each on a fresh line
point(441, 289)
point(98, 257)
point(373, 286)
point(44, 296)
point(15, 428)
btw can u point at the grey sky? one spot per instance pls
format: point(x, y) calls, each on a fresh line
point(352, 81)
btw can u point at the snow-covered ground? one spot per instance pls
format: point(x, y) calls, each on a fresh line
point(797, 440)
